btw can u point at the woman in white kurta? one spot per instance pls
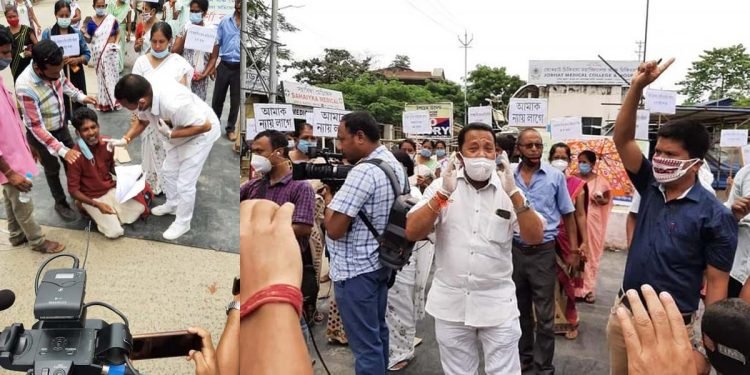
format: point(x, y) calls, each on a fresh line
point(159, 62)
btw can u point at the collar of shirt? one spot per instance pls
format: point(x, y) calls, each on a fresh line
point(689, 193)
point(284, 180)
point(376, 154)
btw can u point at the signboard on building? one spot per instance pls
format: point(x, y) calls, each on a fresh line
point(311, 96)
point(256, 83)
point(300, 112)
point(480, 114)
point(579, 72)
point(441, 118)
point(527, 112)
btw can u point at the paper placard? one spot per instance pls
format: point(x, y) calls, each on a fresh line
point(200, 38)
point(661, 101)
point(441, 119)
point(565, 128)
point(273, 117)
point(733, 138)
point(480, 114)
point(310, 117)
point(327, 121)
point(251, 132)
point(130, 182)
point(69, 43)
point(642, 119)
point(416, 122)
point(527, 112)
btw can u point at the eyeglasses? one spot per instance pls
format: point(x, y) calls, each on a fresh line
point(530, 146)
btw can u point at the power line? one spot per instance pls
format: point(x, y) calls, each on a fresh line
point(437, 5)
point(442, 26)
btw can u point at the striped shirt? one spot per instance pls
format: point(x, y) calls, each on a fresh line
point(43, 107)
point(367, 189)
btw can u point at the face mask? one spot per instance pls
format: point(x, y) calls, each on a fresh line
point(63, 22)
point(85, 149)
point(561, 165)
point(13, 22)
point(668, 170)
point(425, 153)
point(142, 112)
point(584, 168)
point(290, 144)
point(4, 63)
point(260, 164)
point(101, 12)
point(196, 17)
point(412, 156)
point(440, 153)
point(146, 17)
point(478, 169)
point(304, 146)
point(160, 55)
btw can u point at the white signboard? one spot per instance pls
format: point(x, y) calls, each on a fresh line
point(256, 83)
point(310, 118)
point(251, 131)
point(642, 119)
point(218, 9)
point(527, 112)
point(200, 38)
point(579, 72)
point(327, 122)
point(661, 101)
point(311, 96)
point(733, 138)
point(416, 122)
point(480, 114)
point(69, 43)
point(273, 117)
point(301, 112)
point(566, 128)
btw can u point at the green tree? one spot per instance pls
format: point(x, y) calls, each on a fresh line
point(258, 29)
point(485, 81)
point(718, 73)
point(336, 65)
point(401, 62)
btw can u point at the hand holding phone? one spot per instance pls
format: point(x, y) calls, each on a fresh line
point(165, 345)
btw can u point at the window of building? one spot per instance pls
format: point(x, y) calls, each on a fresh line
point(592, 125)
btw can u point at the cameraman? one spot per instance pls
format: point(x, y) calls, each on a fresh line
point(360, 281)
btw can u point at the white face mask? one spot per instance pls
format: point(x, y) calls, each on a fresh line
point(560, 164)
point(290, 144)
point(669, 170)
point(479, 169)
point(260, 164)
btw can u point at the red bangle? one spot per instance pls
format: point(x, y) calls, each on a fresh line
point(273, 294)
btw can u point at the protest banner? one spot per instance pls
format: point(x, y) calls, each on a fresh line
point(527, 112)
point(661, 101)
point(733, 138)
point(273, 117)
point(416, 122)
point(441, 119)
point(311, 96)
point(200, 38)
point(642, 118)
point(218, 9)
point(565, 128)
point(327, 122)
point(481, 114)
point(310, 117)
point(69, 43)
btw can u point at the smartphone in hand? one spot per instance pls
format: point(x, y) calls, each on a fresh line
point(165, 345)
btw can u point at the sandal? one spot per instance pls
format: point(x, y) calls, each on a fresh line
point(572, 334)
point(399, 366)
point(49, 247)
point(590, 299)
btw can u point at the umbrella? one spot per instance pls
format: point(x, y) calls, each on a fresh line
point(608, 163)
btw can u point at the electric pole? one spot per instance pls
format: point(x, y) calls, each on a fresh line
point(639, 51)
point(466, 44)
point(243, 68)
point(272, 73)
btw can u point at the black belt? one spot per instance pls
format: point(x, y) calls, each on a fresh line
point(549, 245)
point(686, 318)
point(230, 64)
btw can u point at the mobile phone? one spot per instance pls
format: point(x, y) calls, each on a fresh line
point(236, 286)
point(164, 345)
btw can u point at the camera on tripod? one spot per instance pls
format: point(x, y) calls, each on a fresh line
point(63, 341)
point(332, 173)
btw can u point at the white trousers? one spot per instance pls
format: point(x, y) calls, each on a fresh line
point(180, 180)
point(459, 353)
point(111, 225)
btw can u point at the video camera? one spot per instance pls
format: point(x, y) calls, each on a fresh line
point(332, 173)
point(63, 341)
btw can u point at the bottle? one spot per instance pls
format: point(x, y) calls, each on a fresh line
point(25, 197)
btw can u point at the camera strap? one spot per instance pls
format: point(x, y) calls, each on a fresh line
point(396, 188)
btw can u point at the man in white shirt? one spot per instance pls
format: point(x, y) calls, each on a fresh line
point(473, 213)
point(740, 273)
point(191, 128)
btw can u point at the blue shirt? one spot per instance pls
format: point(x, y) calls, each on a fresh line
point(367, 189)
point(228, 39)
point(674, 241)
point(548, 195)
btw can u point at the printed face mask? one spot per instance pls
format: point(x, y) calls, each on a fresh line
point(669, 170)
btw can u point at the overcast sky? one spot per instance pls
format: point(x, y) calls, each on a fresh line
point(510, 33)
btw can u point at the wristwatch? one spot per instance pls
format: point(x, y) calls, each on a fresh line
point(523, 208)
point(234, 305)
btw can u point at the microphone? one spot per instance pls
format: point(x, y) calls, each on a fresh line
point(7, 297)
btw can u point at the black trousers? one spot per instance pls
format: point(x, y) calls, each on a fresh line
point(734, 288)
point(51, 163)
point(78, 79)
point(227, 78)
point(534, 275)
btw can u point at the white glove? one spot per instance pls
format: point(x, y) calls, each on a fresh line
point(449, 178)
point(112, 143)
point(507, 180)
point(164, 129)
